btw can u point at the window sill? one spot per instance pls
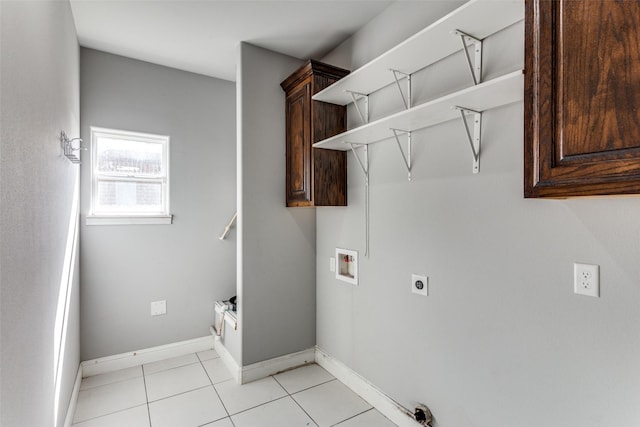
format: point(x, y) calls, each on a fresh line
point(129, 220)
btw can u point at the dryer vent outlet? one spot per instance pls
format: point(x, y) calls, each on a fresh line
point(423, 415)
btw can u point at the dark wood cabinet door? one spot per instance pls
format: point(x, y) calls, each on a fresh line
point(582, 97)
point(298, 112)
point(314, 177)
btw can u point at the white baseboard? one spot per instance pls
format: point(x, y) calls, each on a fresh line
point(148, 355)
point(226, 357)
point(257, 371)
point(376, 398)
point(269, 367)
point(71, 410)
point(242, 375)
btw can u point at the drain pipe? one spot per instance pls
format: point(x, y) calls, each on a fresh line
point(423, 415)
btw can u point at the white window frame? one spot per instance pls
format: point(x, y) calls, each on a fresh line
point(127, 218)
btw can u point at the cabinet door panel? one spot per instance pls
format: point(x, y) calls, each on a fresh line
point(299, 149)
point(598, 109)
point(582, 91)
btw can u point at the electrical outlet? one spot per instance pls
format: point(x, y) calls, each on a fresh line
point(158, 307)
point(586, 279)
point(420, 284)
point(332, 264)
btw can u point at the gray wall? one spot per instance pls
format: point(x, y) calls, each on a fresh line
point(501, 340)
point(276, 254)
point(39, 85)
point(126, 267)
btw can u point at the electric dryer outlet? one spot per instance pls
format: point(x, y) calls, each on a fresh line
point(420, 284)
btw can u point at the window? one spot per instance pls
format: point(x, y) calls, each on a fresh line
point(129, 178)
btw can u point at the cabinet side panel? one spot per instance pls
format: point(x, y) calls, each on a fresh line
point(328, 119)
point(330, 166)
point(539, 95)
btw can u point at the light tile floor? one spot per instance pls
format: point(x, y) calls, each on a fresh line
point(197, 390)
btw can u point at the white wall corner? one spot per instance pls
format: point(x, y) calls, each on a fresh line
point(71, 409)
point(116, 362)
point(359, 385)
point(226, 357)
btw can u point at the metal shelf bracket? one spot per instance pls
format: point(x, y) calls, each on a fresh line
point(475, 140)
point(476, 66)
point(406, 157)
point(407, 100)
point(355, 96)
point(364, 165)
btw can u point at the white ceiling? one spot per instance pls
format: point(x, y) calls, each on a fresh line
point(202, 36)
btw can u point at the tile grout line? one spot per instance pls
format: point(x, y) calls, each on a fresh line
point(143, 376)
point(116, 411)
point(216, 390)
point(109, 413)
point(228, 414)
point(264, 403)
point(313, 386)
point(352, 417)
point(257, 406)
point(215, 421)
point(212, 358)
point(319, 384)
point(278, 398)
point(212, 385)
point(181, 393)
point(172, 368)
point(113, 382)
point(146, 395)
point(261, 404)
point(296, 402)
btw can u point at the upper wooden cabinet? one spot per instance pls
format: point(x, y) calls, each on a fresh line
point(314, 177)
point(582, 98)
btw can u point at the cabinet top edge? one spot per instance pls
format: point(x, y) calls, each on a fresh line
point(312, 67)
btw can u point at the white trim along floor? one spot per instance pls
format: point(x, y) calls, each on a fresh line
point(197, 389)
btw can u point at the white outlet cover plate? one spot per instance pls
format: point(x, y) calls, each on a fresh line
point(158, 307)
point(586, 279)
point(425, 282)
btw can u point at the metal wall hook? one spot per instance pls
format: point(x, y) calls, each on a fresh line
point(228, 227)
point(79, 147)
point(69, 148)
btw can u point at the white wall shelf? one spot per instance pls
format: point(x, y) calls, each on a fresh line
point(477, 18)
point(468, 25)
point(494, 93)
